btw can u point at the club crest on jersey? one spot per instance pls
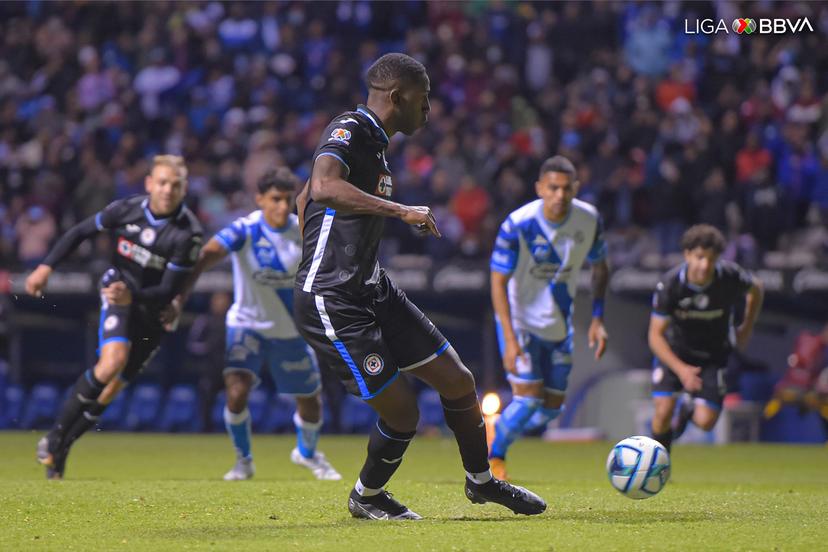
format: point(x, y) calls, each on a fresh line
point(373, 364)
point(701, 301)
point(384, 185)
point(147, 236)
point(340, 135)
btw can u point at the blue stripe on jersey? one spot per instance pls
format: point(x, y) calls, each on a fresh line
point(98, 223)
point(232, 237)
point(268, 257)
point(542, 250)
point(337, 157)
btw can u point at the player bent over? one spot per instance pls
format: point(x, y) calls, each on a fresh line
point(690, 327)
point(357, 320)
point(265, 248)
point(535, 264)
point(157, 240)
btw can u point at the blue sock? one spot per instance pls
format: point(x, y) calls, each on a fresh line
point(510, 424)
point(307, 435)
point(238, 426)
point(541, 417)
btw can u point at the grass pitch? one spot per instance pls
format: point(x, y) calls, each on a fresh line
point(164, 492)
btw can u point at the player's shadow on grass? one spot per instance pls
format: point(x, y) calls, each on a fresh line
point(636, 517)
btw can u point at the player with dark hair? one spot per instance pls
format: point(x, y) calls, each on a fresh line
point(358, 321)
point(265, 247)
point(157, 243)
point(690, 332)
point(536, 260)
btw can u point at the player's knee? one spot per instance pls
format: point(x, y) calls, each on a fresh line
point(553, 400)
point(706, 421)
point(460, 382)
point(404, 419)
point(110, 365)
point(309, 408)
point(236, 398)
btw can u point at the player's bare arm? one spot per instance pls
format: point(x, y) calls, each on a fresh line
point(500, 302)
point(301, 203)
point(597, 334)
point(328, 187)
point(211, 255)
point(689, 375)
point(753, 304)
point(36, 281)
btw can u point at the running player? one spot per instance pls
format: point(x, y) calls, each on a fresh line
point(265, 247)
point(157, 240)
point(690, 332)
point(534, 274)
point(355, 318)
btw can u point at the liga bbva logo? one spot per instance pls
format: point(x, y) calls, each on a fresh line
point(748, 26)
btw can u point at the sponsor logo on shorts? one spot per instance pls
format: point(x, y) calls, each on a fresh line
point(373, 364)
point(110, 322)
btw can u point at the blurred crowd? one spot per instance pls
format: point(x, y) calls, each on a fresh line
point(667, 128)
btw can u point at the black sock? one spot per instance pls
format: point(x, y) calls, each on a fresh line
point(464, 418)
point(87, 388)
point(89, 418)
point(386, 447)
point(665, 438)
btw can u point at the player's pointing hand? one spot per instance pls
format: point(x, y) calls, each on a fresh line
point(422, 218)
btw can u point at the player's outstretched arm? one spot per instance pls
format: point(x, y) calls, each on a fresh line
point(211, 254)
point(753, 305)
point(37, 280)
point(689, 375)
point(500, 303)
point(597, 333)
point(328, 187)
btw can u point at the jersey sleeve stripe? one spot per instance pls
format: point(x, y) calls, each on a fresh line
point(98, 224)
point(322, 241)
point(223, 242)
point(332, 154)
point(177, 268)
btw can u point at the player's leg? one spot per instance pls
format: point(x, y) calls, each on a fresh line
point(421, 350)
point(145, 340)
point(666, 386)
point(526, 401)
point(345, 336)
point(244, 356)
point(114, 349)
point(556, 381)
point(707, 404)
point(295, 371)
point(527, 394)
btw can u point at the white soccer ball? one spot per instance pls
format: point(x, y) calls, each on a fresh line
point(638, 467)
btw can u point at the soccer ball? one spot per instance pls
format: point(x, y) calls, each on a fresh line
point(638, 467)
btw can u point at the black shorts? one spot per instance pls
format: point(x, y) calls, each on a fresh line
point(667, 383)
point(133, 324)
point(368, 341)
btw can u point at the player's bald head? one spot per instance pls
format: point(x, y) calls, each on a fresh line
point(395, 70)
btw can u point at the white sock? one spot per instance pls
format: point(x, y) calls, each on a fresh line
point(362, 490)
point(480, 478)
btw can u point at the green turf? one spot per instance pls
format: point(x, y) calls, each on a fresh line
point(163, 492)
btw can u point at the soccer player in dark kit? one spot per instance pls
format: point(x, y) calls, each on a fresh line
point(690, 332)
point(357, 320)
point(157, 243)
